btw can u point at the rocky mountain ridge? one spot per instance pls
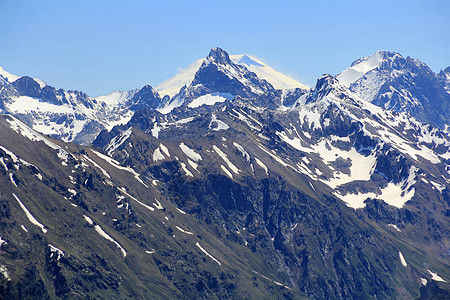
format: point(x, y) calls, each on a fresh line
point(400, 84)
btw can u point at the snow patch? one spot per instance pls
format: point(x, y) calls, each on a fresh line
point(210, 99)
point(220, 124)
point(143, 204)
point(107, 237)
point(402, 259)
point(157, 155)
point(117, 141)
point(30, 216)
point(158, 205)
point(209, 255)
point(262, 165)
point(226, 160)
point(226, 171)
point(2, 241)
point(394, 226)
point(59, 253)
point(97, 166)
point(242, 151)
point(436, 277)
point(190, 152)
point(164, 150)
point(117, 165)
point(11, 177)
point(181, 211)
point(89, 220)
point(182, 230)
point(185, 170)
point(4, 272)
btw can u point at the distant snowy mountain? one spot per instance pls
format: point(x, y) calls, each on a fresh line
point(68, 115)
point(393, 82)
point(185, 76)
point(219, 79)
point(275, 78)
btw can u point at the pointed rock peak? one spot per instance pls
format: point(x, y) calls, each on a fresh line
point(147, 89)
point(324, 81)
point(444, 72)
point(219, 56)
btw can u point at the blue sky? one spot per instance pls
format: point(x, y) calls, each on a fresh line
point(100, 46)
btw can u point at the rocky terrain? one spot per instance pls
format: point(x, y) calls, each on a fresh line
point(230, 187)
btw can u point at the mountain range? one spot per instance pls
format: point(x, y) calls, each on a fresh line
point(229, 180)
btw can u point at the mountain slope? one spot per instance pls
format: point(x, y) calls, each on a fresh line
point(76, 224)
point(311, 188)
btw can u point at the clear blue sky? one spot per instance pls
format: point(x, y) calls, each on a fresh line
point(100, 46)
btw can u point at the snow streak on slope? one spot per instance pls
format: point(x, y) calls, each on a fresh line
point(30, 216)
point(190, 152)
point(29, 133)
point(117, 141)
point(436, 277)
point(209, 255)
point(226, 160)
point(102, 233)
point(117, 165)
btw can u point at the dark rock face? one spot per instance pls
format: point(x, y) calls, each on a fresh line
point(269, 210)
point(27, 86)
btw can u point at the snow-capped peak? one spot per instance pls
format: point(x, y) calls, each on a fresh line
point(117, 97)
point(217, 55)
point(359, 68)
point(10, 77)
point(263, 71)
point(185, 76)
